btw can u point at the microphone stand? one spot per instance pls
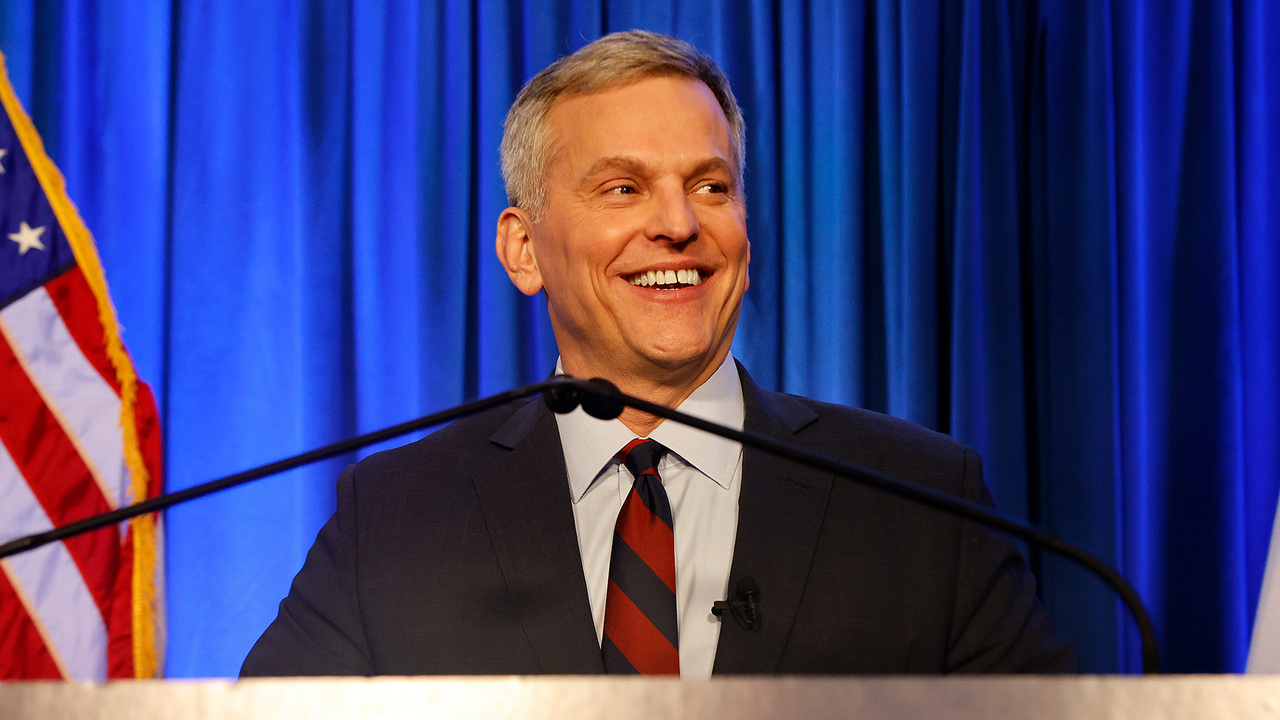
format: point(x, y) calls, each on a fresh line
point(601, 399)
point(163, 502)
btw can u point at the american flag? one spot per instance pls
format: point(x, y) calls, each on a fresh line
point(78, 436)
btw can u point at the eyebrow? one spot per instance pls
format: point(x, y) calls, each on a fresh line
point(716, 164)
point(624, 163)
point(629, 164)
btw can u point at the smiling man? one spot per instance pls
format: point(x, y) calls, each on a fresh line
point(520, 541)
point(641, 242)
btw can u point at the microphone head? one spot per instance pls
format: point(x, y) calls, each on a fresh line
point(561, 398)
point(598, 405)
point(747, 586)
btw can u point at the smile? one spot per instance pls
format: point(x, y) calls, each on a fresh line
point(667, 278)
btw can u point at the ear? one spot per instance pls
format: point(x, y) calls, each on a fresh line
point(515, 250)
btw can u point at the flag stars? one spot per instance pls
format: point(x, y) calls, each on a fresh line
point(27, 238)
point(3, 152)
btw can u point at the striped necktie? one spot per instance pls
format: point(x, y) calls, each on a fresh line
point(640, 628)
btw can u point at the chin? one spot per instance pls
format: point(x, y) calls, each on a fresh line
point(676, 358)
point(677, 343)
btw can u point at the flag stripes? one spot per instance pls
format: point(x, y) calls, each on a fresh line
point(69, 291)
point(39, 448)
point(22, 641)
point(55, 596)
point(73, 384)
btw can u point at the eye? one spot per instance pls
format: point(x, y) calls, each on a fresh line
point(621, 190)
point(712, 188)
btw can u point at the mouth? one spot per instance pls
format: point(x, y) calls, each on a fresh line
point(667, 279)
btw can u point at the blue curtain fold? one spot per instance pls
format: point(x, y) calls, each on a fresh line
point(1049, 228)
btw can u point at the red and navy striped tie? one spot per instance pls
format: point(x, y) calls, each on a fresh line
point(640, 628)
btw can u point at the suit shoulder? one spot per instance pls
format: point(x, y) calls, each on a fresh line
point(861, 435)
point(455, 449)
point(832, 417)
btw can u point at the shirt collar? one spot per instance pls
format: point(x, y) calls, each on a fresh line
point(590, 443)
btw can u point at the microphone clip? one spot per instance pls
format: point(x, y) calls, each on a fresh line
point(743, 607)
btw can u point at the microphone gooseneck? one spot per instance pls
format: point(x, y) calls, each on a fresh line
point(566, 386)
point(911, 491)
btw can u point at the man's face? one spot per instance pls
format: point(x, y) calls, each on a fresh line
point(642, 250)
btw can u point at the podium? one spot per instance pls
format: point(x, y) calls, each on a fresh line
point(571, 698)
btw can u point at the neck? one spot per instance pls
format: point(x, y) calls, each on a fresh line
point(666, 389)
point(642, 423)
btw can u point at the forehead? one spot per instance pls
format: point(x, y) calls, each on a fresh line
point(655, 120)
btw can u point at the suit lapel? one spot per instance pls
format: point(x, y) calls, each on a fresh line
point(780, 513)
point(526, 504)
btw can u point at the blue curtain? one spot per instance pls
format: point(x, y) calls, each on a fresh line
point(1051, 229)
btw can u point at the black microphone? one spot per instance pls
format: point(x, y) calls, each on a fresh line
point(565, 396)
point(743, 606)
point(583, 389)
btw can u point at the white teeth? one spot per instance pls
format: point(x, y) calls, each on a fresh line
point(650, 278)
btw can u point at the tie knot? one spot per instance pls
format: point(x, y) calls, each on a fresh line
point(641, 456)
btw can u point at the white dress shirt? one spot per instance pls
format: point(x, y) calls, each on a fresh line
point(702, 475)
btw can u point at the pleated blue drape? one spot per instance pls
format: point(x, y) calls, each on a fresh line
point(1049, 228)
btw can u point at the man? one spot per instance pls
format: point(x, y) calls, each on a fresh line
point(518, 541)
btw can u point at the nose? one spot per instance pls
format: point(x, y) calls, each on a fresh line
point(674, 218)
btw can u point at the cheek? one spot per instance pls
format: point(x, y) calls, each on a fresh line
point(555, 254)
point(736, 248)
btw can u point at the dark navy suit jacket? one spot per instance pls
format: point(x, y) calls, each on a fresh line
point(457, 554)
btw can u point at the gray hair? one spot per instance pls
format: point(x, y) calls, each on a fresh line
point(611, 61)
